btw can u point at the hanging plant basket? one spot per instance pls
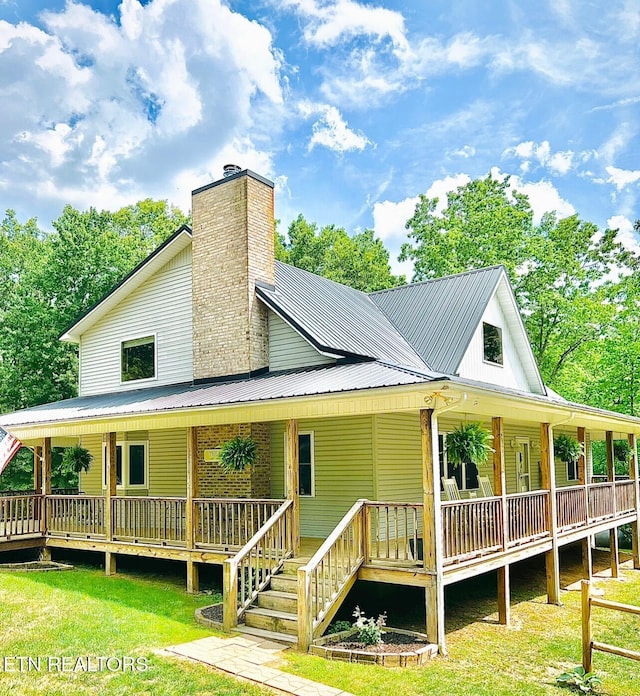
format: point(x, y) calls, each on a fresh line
point(76, 459)
point(469, 444)
point(567, 449)
point(238, 454)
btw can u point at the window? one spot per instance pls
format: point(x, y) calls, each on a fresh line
point(138, 359)
point(466, 476)
point(131, 465)
point(306, 468)
point(492, 337)
point(572, 471)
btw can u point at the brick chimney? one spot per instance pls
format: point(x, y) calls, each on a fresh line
point(233, 246)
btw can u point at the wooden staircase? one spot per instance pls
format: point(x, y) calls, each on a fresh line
point(275, 614)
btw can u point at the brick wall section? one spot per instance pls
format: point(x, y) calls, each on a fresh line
point(254, 482)
point(233, 246)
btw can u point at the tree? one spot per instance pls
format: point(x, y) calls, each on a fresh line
point(483, 224)
point(360, 261)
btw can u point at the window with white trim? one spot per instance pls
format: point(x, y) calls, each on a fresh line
point(138, 359)
point(131, 465)
point(572, 471)
point(492, 343)
point(306, 465)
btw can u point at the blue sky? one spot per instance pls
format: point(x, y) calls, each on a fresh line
point(352, 107)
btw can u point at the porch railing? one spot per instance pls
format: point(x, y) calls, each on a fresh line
point(145, 519)
point(601, 501)
point(471, 527)
point(20, 515)
point(572, 507)
point(394, 532)
point(326, 578)
point(73, 515)
point(231, 522)
point(625, 497)
point(527, 515)
point(250, 570)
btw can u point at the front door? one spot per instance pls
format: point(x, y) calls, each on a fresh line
point(523, 465)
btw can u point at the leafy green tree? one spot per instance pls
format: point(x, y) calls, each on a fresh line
point(360, 261)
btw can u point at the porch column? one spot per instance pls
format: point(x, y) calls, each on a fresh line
point(293, 483)
point(583, 481)
point(552, 558)
point(193, 580)
point(500, 489)
point(37, 469)
point(109, 493)
point(45, 490)
point(432, 529)
point(611, 477)
point(633, 475)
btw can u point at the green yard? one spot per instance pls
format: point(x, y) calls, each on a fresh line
point(82, 612)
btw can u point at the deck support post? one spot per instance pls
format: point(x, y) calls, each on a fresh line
point(633, 475)
point(500, 489)
point(611, 477)
point(548, 470)
point(432, 529)
point(193, 584)
point(45, 487)
point(587, 559)
point(583, 480)
point(293, 483)
point(109, 493)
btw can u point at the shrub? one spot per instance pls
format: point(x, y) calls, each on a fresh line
point(339, 626)
point(369, 629)
point(579, 680)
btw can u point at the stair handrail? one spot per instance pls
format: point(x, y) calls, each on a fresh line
point(313, 609)
point(259, 575)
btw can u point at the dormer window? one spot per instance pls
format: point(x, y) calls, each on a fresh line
point(138, 359)
point(492, 337)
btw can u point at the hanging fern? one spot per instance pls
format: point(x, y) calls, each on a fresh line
point(468, 443)
point(75, 459)
point(238, 454)
point(567, 449)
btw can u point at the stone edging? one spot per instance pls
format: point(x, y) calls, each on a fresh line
point(204, 621)
point(324, 647)
point(47, 566)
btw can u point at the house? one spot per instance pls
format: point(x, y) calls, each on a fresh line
point(349, 398)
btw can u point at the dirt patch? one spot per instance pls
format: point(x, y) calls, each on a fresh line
point(211, 616)
point(392, 642)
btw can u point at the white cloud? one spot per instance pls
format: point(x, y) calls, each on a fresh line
point(95, 108)
point(626, 234)
point(331, 130)
point(560, 162)
point(544, 198)
point(465, 152)
point(621, 178)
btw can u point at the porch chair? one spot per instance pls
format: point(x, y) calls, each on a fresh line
point(450, 489)
point(486, 489)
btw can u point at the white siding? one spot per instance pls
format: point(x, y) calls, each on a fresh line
point(160, 306)
point(287, 348)
point(473, 366)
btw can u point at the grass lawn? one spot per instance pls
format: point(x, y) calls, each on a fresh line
point(486, 659)
point(83, 613)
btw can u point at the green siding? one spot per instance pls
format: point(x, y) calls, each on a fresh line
point(398, 457)
point(343, 459)
point(91, 481)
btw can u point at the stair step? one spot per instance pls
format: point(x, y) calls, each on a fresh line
point(291, 565)
point(278, 600)
point(285, 583)
point(286, 638)
point(271, 620)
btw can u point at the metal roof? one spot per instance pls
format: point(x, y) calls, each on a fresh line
point(312, 381)
point(438, 317)
point(336, 319)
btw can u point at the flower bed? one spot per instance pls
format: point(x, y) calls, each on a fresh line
point(399, 648)
point(31, 566)
point(210, 616)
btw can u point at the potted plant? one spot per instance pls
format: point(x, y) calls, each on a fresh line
point(567, 449)
point(238, 453)
point(468, 444)
point(75, 459)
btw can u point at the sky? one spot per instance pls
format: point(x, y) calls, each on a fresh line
point(353, 108)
